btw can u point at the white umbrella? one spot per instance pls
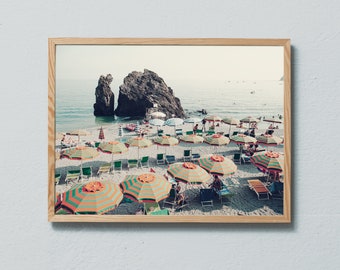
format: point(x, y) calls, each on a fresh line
point(173, 122)
point(158, 115)
point(156, 122)
point(193, 120)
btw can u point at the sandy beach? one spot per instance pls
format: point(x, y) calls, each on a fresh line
point(244, 201)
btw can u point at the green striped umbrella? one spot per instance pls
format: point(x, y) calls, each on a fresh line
point(146, 187)
point(139, 142)
point(112, 147)
point(192, 138)
point(269, 140)
point(188, 172)
point(92, 198)
point(217, 139)
point(79, 132)
point(243, 139)
point(217, 164)
point(166, 141)
point(249, 120)
point(231, 121)
point(212, 118)
point(81, 153)
point(269, 161)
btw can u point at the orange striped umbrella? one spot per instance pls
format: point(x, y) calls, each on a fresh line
point(92, 198)
point(146, 187)
point(188, 172)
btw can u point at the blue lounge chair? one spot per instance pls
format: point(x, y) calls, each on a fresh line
point(170, 159)
point(206, 197)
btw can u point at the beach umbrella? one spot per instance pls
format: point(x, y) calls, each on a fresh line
point(158, 115)
point(188, 173)
point(165, 141)
point(216, 140)
point(137, 129)
point(79, 132)
point(101, 134)
point(243, 139)
point(81, 153)
point(217, 164)
point(173, 122)
point(156, 122)
point(192, 138)
point(272, 120)
point(112, 147)
point(139, 142)
point(231, 121)
point(268, 161)
point(269, 140)
point(144, 188)
point(212, 118)
point(92, 198)
point(249, 120)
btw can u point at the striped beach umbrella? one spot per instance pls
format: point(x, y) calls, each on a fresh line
point(272, 120)
point(249, 120)
point(139, 142)
point(231, 121)
point(269, 140)
point(216, 139)
point(144, 188)
point(120, 131)
point(112, 147)
point(92, 198)
point(137, 129)
point(79, 132)
point(243, 139)
point(217, 164)
point(166, 141)
point(101, 134)
point(174, 122)
point(81, 153)
point(268, 161)
point(188, 173)
point(213, 118)
point(192, 138)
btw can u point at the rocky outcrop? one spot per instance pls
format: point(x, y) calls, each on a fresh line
point(145, 91)
point(104, 105)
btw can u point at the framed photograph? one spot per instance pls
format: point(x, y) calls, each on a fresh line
point(169, 130)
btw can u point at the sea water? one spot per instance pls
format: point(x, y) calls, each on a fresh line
point(75, 99)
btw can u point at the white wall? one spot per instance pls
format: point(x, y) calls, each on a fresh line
point(28, 241)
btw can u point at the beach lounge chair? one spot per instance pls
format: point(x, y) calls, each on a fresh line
point(210, 132)
point(199, 132)
point(189, 132)
point(170, 159)
point(104, 169)
point(86, 172)
point(160, 159)
point(260, 189)
point(179, 132)
point(234, 133)
point(117, 165)
point(132, 163)
point(150, 207)
point(187, 155)
point(160, 132)
point(276, 189)
point(144, 162)
point(206, 197)
point(237, 158)
point(96, 144)
point(195, 157)
point(224, 193)
point(72, 176)
point(172, 199)
point(57, 178)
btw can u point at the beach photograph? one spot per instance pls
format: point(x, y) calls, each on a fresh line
point(170, 130)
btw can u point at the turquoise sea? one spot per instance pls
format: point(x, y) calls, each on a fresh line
point(75, 99)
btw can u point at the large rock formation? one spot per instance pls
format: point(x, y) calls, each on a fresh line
point(105, 98)
point(145, 91)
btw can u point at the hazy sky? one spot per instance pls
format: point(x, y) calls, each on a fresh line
point(170, 62)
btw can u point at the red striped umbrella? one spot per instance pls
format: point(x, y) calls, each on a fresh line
point(188, 172)
point(101, 134)
point(145, 188)
point(92, 198)
point(81, 153)
point(217, 164)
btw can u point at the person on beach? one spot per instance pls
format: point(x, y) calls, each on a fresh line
point(195, 128)
point(216, 184)
point(203, 123)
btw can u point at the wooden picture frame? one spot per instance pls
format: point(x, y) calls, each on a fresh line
point(248, 55)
